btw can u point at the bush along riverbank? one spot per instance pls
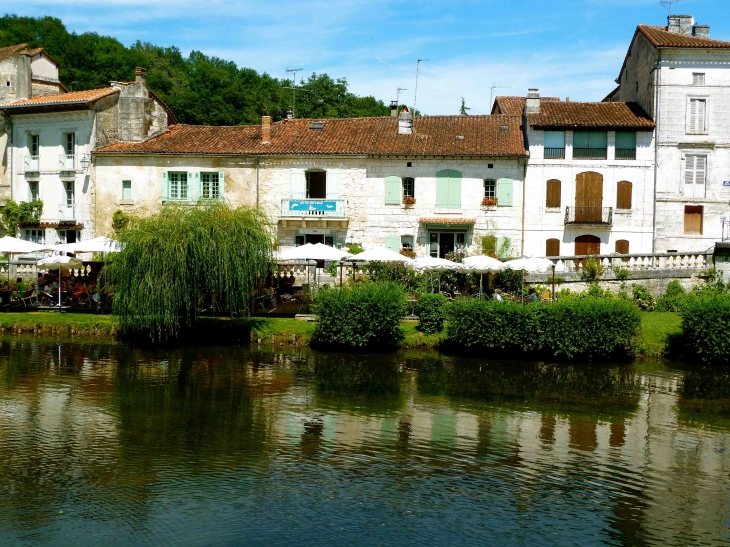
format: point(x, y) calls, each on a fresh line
point(704, 330)
point(587, 328)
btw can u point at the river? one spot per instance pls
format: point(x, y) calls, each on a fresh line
point(102, 444)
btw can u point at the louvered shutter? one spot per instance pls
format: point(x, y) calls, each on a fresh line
point(700, 124)
point(221, 186)
point(455, 192)
point(504, 192)
point(165, 187)
point(689, 170)
point(552, 247)
point(298, 184)
point(442, 191)
point(552, 198)
point(392, 190)
point(700, 169)
point(392, 243)
point(333, 184)
point(623, 195)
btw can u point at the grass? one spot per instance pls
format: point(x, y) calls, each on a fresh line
point(81, 321)
point(655, 327)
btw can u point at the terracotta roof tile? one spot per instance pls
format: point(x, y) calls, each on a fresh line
point(10, 51)
point(434, 135)
point(608, 115)
point(88, 96)
point(447, 221)
point(513, 106)
point(661, 37)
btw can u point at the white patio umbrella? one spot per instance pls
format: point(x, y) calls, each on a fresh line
point(431, 264)
point(56, 263)
point(380, 254)
point(482, 264)
point(534, 265)
point(97, 245)
point(308, 252)
point(13, 245)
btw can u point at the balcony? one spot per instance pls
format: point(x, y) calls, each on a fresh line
point(313, 208)
point(593, 216)
point(554, 153)
point(67, 162)
point(32, 164)
point(590, 153)
point(625, 153)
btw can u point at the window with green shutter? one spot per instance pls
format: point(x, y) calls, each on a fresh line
point(504, 192)
point(392, 243)
point(448, 189)
point(590, 144)
point(392, 190)
point(625, 145)
point(178, 187)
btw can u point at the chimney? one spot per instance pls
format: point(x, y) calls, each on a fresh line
point(290, 114)
point(701, 31)
point(532, 104)
point(394, 109)
point(139, 75)
point(405, 122)
point(567, 99)
point(680, 24)
point(265, 129)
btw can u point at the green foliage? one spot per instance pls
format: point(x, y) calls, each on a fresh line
point(198, 89)
point(464, 110)
point(589, 328)
point(704, 329)
point(673, 297)
point(174, 263)
point(430, 311)
point(643, 298)
point(595, 291)
point(457, 255)
point(489, 245)
point(119, 220)
point(592, 268)
point(366, 316)
point(505, 249)
point(509, 280)
point(395, 272)
point(355, 249)
point(622, 274)
point(15, 214)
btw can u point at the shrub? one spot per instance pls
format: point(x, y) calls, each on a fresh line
point(509, 280)
point(355, 249)
point(672, 298)
point(705, 326)
point(643, 298)
point(360, 317)
point(622, 274)
point(592, 268)
point(430, 312)
point(590, 328)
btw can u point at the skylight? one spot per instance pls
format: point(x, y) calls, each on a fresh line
point(316, 125)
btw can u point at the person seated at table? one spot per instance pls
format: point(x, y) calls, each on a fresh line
point(20, 288)
point(532, 295)
point(79, 291)
point(498, 296)
point(94, 293)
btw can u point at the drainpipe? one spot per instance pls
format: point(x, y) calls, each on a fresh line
point(257, 180)
point(11, 165)
point(657, 84)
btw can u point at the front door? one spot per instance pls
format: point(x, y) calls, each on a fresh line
point(446, 245)
point(589, 197)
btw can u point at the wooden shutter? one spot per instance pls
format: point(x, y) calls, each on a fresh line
point(689, 170)
point(701, 115)
point(443, 188)
point(552, 197)
point(622, 246)
point(692, 219)
point(165, 187)
point(504, 192)
point(587, 245)
point(588, 197)
point(221, 185)
point(194, 189)
point(392, 243)
point(455, 192)
point(392, 190)
point(298, 184)
point(500, 242)
point(552, 247)
point(623, 195)
point(700, 169)
point(333, 184)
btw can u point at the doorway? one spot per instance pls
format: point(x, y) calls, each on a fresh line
point(442, 243)
point(316, 185)
point(302, 239)
point(589, 197)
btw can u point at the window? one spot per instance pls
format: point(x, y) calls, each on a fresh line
point(590, 144)
point(406, 243)
point(316, 184)
point(697, 114)
point(210, 186)
point(622, 247)
point(695, 169)
point(69, 236)
point(448, 189)
point(623, 195)
point(33, 190)
point(409, 187)
point(36, 236)
point(490, 188)
point(461, 240)
point(554, 145)
point(33, 145)
point(552, 195)
point(625, 145)
point(178, 185)
point(693, 219)
point(552, 247)
point(69, 143)
point(698, 78)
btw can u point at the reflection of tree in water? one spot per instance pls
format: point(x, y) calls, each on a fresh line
point(704, 396)
point(312, 436)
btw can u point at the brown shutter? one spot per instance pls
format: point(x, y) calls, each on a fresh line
point(552, 199)
point(588, 197)
point(692, 219)
point(587, 245)
point(552, 247)
point(622, 246)
point(623, 195)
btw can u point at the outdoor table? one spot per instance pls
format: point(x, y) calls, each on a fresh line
point(412, 301)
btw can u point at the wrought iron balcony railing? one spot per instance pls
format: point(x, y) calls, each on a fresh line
point(589, 215)
point(305, 208)
point(590, 153)
point(554, 153)
point(625, 153)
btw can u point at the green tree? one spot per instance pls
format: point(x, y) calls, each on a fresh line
point(464, 110)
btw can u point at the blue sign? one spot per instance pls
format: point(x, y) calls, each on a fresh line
point(306, 205)
point(726, 182)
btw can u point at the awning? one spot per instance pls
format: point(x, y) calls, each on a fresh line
point(448, 221)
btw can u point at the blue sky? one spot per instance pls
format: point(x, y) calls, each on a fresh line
point(564, 48)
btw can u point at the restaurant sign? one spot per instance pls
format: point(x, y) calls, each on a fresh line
point(306, 205)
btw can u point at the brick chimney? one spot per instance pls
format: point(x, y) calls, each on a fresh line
point(701, 31)
point(139, 75)
point(265, 129)
point(532, 104)
point(405, 122)
point(394, 109)
point(680, 24)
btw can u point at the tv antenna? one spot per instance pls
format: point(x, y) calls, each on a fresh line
point(294, 88)
point(491, 92)
point(415, 94)
point(668, 4)
point(397, 95)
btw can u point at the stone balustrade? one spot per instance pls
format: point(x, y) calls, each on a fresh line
point(643, 264)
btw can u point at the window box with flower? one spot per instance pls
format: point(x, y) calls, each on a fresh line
point(409, 200)
point(489, 202)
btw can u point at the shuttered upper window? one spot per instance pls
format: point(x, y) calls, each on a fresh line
point(552, 197)
point(622, 246)
point(695, 169)
point(692, 219)
point(623, 195)
point(697, 116)
point(552, 247)
point(448, 189)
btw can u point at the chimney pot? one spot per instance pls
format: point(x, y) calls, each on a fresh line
point(394, 109)
point(139, 75)
point(265, 129)
point(680, 24)
point(290, 114)
point(701, 31)
point(405, 122)
point(567, 99)
point(532, 103)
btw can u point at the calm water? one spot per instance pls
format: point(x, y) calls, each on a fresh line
point(106, 445)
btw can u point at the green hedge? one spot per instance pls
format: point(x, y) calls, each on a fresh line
point(587, 328)
point(705, 328)
point(366, 316)
point(430, 311)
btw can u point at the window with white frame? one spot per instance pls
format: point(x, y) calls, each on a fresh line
point(698, 78)
point(127, 190)
point(697, 116)
point(409, 187)
point(406, 243)
point(36, 236)
point(695, 169)
point(178, 185)
point(33, 145)
point(211, 188)
point(33, 190)
point(490, 188)
point(69, 236)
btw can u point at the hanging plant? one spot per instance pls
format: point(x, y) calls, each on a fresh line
point(409, 200)
point(489, 202)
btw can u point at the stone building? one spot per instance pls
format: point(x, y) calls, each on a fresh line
point(49, 143)
point(681, 77)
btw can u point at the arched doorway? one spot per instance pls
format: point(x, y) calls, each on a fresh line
point(589, 197)
point(587, 245)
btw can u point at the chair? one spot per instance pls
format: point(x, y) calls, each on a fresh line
point(259, 297)
point(30, 298)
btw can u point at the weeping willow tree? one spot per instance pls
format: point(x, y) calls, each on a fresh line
point(175, 264)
